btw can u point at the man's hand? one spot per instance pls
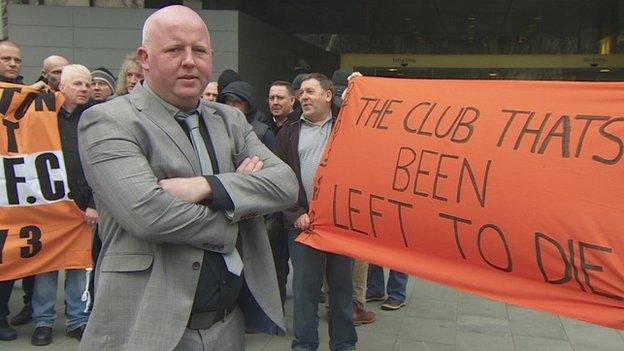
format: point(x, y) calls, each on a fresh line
point(194, 190)
point(91, 216)
point(303, 222)
point(250, 165)
point(351, 76)
point(39, 85)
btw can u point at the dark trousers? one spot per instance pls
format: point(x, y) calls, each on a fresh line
point(278, 238)
point(6, 288)
point(309, 265)
point(95, 253)
point(28, 285)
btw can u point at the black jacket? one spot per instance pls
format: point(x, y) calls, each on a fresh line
point(243, 91)
point(293, 116)
point(79, 189)
point(287, 148)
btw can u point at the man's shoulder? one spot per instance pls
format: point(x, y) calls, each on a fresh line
point(110, 106)
point(229, 114)
point(290, 125)
point(117, 111)
point(219, 107)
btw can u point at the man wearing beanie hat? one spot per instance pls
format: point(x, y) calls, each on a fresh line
point(102, 85)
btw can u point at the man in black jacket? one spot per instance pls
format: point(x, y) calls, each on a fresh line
point(281, 100)
point(74, 85)
point(281, 104)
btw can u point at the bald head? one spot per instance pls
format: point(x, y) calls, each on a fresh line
point(170, 14)
point(176, 55)
point(54, 61)
point(52, 68)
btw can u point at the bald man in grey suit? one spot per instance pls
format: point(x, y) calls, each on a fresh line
point(172, 225)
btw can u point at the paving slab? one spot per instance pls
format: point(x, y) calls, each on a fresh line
point(436, 318)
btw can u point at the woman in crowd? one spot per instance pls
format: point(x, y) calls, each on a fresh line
point(131, 73)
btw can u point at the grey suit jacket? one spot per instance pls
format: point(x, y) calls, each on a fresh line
point(150, 240)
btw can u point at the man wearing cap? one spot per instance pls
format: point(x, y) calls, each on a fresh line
point(102, 85)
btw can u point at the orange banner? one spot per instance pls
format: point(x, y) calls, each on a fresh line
point(41, 228)
point(512, 190)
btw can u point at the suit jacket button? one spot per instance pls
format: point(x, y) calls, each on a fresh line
point(196, 265)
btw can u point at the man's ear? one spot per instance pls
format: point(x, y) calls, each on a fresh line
point(142, 58)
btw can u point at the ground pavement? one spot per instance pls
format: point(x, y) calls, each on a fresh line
point(436, 318)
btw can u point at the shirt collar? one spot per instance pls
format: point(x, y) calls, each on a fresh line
point(320, 123)
point(172, 110)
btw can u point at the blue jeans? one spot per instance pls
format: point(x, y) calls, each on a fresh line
point(308, 267)
point(397, 283)
point(44, 298)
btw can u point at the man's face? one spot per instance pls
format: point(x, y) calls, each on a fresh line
point(52, 72)
point(177, 60)
point(280, 101)
point(76, 91)
point(100, 90)
point(243, 106)
point(134, 74)
point(315, 101)
point(211, 92)
point(10, 62)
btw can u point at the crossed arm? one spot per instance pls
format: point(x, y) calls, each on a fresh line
point(127, 172)
point(197, 189)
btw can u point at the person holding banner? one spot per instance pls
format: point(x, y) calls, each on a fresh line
point(74, 85)
point(51, 71)
point(301, 143)
point(181, 185)
point(10, 69)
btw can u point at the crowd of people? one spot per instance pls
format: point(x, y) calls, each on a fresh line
point(185, 245)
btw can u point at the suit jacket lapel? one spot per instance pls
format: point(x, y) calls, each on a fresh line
point(154, 111)
point(219, 136)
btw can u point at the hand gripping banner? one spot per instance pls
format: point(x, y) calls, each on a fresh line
point(41, 228)
point(512, 190)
